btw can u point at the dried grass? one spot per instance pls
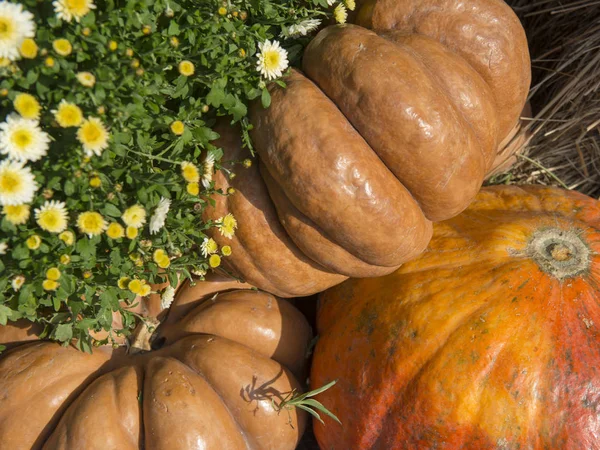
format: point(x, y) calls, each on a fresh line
point(564, 147)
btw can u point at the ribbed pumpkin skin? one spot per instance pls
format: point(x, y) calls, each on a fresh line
point(209, 388)
point(479, 343)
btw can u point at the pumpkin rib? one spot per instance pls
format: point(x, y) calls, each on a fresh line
point(54, 441)
point(446, 87)
point(234, 419)
point(196, 362)
point(314, 242)
point(207, 384)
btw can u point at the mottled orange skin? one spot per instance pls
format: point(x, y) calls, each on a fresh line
point(473, 345)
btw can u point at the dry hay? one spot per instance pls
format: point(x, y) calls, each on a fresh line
point(564, 145)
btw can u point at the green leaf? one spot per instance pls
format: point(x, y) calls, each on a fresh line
point(265, 98)
point(64, 332)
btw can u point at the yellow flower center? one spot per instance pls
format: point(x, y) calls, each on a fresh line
point(272, 60)
point(10, 182)
point(49, 220)
point(7, 27)
point(22, 139)
point(78, 7)
point(91, 133)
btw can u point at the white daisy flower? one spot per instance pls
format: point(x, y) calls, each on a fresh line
point(17, 183)
point(15, 26)
point(208, 168)
point(303, 28)
point(17, 282)
point(272, 59)
point(68, 10)
point(157, 221)
point(167, 298)
point(23, 139)
point(199, 272)
point(330, 2)
point(3, 248)
point(52, 216)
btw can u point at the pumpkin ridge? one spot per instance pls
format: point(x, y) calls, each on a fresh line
point(435, 76)
point(241, 429)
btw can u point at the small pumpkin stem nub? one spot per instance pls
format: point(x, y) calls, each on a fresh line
point(560, 252)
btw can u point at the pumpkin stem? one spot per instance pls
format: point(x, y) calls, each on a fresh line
point(142, 336)
point(558, 252)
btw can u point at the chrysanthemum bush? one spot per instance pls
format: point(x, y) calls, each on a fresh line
point(106, 160)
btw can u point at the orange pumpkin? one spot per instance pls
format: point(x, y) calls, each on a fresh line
point(225, 357)
point(382, 133)
point(489, 340)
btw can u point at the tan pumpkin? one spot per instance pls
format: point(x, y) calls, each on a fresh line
point(382, 133)
point(489, 340)
point(225, 357)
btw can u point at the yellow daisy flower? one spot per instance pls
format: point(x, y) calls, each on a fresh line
point(178, 127)
point(158, 254)
point(222, 11)
point(62, 46)
point(134, 216)
point(86, 79)
point(186, 68)
point(50, 285)
point(27, 106)
point(174, 41)
point(350, 4)
point(131, 232)
point(112, 46)
point(193, 188)
point(146, 289)
point(227, 225)
point(91, 223)
point(137, 286)
point(164, 263)
point(68, 114)
point(52, 216)
point(93, 136)
point(226, 250)
point(65, 259)
point(87, 274)
point(190, 172)
point(68, 10)
point(67, 237)
point(214, 261)
point(115, 231)
point(16, 214)
point(29, 49)
point(123, 282)
point(340, 13)
point(33, 242)
point(53, 273)
point(95, 182)
point(208, 247)
point(49, 61)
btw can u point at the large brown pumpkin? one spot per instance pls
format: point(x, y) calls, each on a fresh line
point(384, 132)
point(488, 341)
point(224, 358)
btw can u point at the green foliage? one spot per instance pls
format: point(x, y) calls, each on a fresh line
point(308, 404)
point(134, 49)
